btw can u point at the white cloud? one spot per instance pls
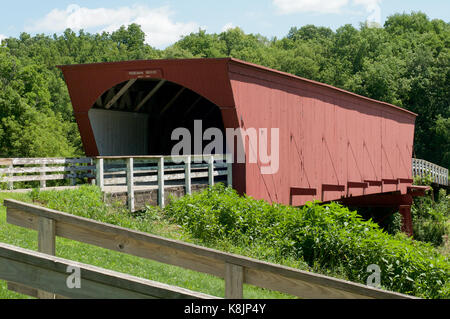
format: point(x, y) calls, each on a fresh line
point(227, 27)
point(2, 37)
point(157, 23)
point(372, 7)
point(320, 6)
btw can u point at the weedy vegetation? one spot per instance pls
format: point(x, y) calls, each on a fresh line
point(328, 238)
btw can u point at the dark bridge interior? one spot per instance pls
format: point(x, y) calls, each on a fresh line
point(168, 105)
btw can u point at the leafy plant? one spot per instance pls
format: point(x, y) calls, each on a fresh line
point(431, 219)
point(3, 185)
point(324, 236)
point(426, 180)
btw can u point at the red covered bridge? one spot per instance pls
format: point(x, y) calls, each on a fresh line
point(334, 145)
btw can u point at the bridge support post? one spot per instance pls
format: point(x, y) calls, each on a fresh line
point(130, 183)
point(187, 175)
point(100, 173)
point(211, 170)
point(407, 227)
point(161, 199)
point(229, 161)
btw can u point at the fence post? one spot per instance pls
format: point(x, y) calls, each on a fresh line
point(73, 179)
point(130, 183)
point(211, 170)
point(10, 174)
point(43, 182)
point(187, 175)
point(100, 173)
point(161, 201)
point(234, 281)
point(46, 245)
point(229, 161)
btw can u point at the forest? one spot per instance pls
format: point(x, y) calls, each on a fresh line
point(405, 62)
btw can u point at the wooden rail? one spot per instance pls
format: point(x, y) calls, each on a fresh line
point(160, 171)
point(13, 170)
point(157, 171)
point(423, 168)
point(22, 267)
point(236, 270)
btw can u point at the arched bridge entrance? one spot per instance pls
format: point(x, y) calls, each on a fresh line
point(139, 116)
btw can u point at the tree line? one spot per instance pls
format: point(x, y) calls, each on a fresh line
point(405, 62)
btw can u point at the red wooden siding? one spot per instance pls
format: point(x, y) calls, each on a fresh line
point(339, 144)
point(332, 143)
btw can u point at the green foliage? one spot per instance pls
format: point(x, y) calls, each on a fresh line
point(87, 201)
point(431, 219)
point(29, 125)
point(442, 138)
point(325, 236)
point(3, 185)
point(425, 180)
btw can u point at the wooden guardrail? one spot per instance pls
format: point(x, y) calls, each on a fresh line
point(236, 270)
point(13, 170)
point(50, 274)
point(423, 168)
point(160, 171)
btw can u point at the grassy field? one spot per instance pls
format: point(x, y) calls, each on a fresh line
point(140, 267)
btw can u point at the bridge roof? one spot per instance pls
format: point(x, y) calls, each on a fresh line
point(207, 76)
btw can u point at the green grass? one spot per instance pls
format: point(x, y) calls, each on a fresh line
point(86, 202)
point(15, 236)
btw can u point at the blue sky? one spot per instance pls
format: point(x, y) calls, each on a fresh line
point(164, 21)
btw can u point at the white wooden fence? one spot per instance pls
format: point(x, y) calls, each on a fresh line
point(423, 168)
point(13, 170)
point(116, 171)
point(161, 171)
